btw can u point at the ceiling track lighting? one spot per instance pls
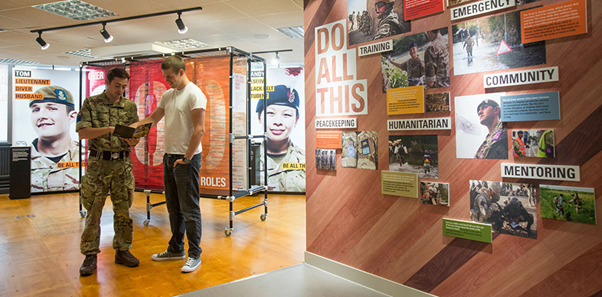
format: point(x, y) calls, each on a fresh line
point(181, 27)
point(107, 36)
point(41, 41)
point(276, 60)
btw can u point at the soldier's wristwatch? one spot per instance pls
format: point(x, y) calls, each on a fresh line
point(186, 160)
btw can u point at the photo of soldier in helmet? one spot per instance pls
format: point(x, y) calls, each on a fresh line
point(434, 193)
point(375, 19)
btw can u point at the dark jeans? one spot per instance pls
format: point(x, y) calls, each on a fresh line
point(182, 200)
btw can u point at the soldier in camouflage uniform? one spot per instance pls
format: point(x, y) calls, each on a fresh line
point(55, 156)
point(495, 145)
point(109, 169)
point(485, 207)
point(512, 36)
point(436, 60)
point(282, 116)
point(414, 67)
point(389, 23)
point(367, 24)
point(468, 43)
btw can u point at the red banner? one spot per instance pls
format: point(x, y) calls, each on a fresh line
point(418, 8)
point(147, 85)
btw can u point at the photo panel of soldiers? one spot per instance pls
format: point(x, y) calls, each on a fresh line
point(416, 60)
point(434, 193)
point(369, 20)
point(359, 150)
point(45, 106)
point(533, 143)
point(493, 43)
point(414, 154)
point(510, 208)
point(480, 133)
point(436, 102)
point(573, 204)
point(326, 159)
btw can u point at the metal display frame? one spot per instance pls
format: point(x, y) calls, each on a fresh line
point(233, 194)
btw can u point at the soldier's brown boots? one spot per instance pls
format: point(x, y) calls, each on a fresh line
point(88, 266)
point(126, 258)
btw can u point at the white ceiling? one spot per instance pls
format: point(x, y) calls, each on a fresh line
point(220, 23)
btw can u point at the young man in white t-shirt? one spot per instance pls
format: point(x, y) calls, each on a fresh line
point(184, 109)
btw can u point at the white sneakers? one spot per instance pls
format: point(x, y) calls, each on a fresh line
point(191, 264)
point(167, 256)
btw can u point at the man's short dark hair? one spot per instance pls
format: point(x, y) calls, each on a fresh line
point(117, 72)
point(175, 63)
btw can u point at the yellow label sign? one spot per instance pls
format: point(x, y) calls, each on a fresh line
point(32, 81)
point(23, 88)
point(406, 100)
point(402, 184)
point(259, 88)
point(293, 165)
point(259, 95)
point(27, 96)
point(67, 165)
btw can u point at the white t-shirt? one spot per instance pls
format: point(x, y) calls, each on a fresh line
point(178, 121)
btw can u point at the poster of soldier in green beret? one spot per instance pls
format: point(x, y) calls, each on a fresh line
point(480, 132)
point(45, 105)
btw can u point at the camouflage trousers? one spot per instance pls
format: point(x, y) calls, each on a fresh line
point(102, 177)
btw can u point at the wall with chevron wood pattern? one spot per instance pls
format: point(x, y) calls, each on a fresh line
point(350, 221)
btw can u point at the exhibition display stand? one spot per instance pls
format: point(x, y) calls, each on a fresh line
point(20, 167)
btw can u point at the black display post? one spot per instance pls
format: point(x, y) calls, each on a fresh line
point(20, 172)
point(255, 176)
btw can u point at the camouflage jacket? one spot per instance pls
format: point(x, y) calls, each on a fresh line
point(468, 43)
point(414, 68)
point(281, 179)
point(388, 25)
point(47, 176)
point(495, 145)
point(436, 62)
point(98, 112)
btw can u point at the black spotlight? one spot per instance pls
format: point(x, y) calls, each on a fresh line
point(181, 27)
point(105, 33)
point(41, 41)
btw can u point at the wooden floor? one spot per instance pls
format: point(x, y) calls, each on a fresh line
point(39, 247)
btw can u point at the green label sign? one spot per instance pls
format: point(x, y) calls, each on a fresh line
point(467, 230)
